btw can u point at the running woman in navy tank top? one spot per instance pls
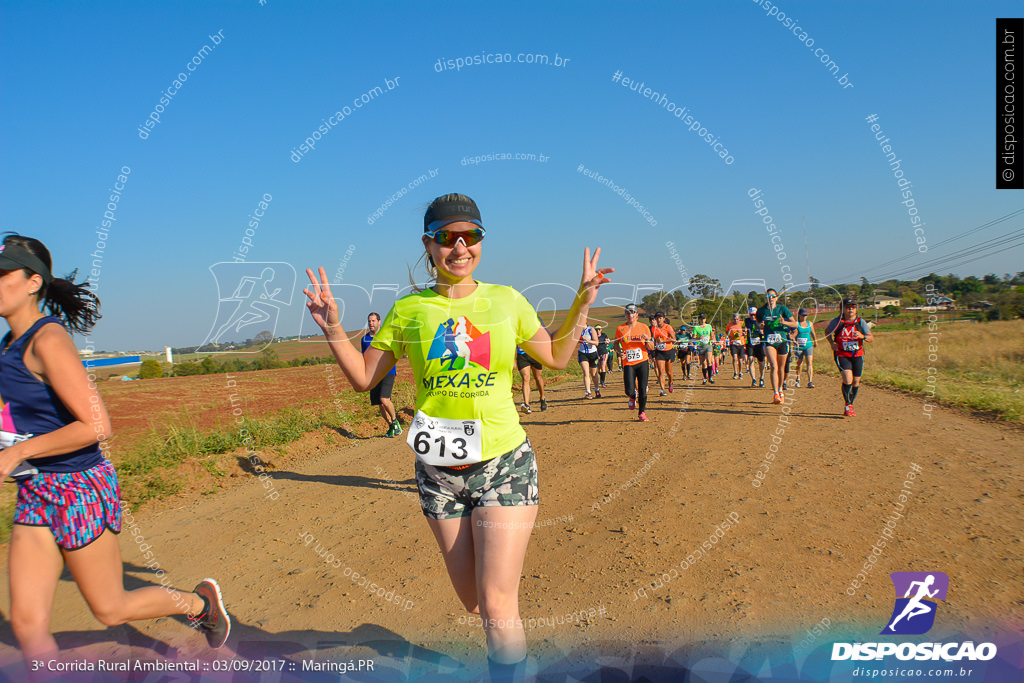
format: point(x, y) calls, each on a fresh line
point(68, 509)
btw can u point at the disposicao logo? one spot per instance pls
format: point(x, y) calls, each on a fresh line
point(459, 343)
point(913, 613)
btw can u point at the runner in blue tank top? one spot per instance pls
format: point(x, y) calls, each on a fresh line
point(68, 510)
point(804, 347)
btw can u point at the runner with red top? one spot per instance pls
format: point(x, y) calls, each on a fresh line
point(475, 468)
point(68, 510)
point(846, 335)
point(633, 339)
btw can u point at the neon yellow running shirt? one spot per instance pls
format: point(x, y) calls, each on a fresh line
point(462, 353)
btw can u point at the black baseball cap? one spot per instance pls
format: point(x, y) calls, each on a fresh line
point(443, 211)
point(659, 314)
point(802, 311)
point(14, 257)
point(849, 303)
point(701, 316)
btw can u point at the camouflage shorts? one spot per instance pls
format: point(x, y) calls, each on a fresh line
point(508, 480)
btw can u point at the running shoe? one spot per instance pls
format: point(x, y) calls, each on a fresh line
point(603, 385)
point(775, 398)
point(753, 382)
point(712, 380)
point(705, 381)
point(670, 388)
point(662, 392)
point(761, 385)
point(524, 408)
point(398, 428)
point(848, 411)
point(543, 405)
point(597, 393)
point(810, 385)
point(588, 395)
point(214, 620)
point(391, 431)
point(783, 386)
point(643, 417)
point(796, 384)
point(632, 403)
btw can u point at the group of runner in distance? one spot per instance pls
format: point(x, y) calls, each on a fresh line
point(475, 468)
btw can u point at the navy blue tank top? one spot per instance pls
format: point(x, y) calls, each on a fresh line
point(33, 407)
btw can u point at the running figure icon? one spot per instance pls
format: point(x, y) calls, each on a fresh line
point(915, 607)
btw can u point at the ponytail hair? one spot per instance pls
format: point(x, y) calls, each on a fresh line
point(74, 303)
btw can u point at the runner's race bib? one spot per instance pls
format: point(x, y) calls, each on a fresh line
point(755, 340)
point(660, 346)
point(705, 339)
point(774, 338)
point(851, 345)
point(634, 354)
point(445, 443)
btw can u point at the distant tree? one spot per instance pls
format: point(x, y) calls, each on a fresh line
point(991, 279)
point(704, 287)
point(150, 369)
point(187, 369)
point(910, 297)
point(264, 337)
point(268, 360)
point(210, 366)
point(1010, 304)
point(891, 310)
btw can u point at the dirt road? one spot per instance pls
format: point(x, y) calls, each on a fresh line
point(623, 504)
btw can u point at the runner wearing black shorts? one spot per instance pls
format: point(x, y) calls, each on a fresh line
point(776, 320)
point(602, 354)
point(755, 347)
point(524, 361)
point(683, 341)
point(664, 341)
point(380, 395)
point(846, 335)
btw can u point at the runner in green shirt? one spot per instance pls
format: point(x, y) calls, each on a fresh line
point(475, 468)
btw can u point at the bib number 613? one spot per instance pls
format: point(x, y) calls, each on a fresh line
point(423, 445)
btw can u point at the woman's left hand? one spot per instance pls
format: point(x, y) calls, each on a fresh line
point(593, 277)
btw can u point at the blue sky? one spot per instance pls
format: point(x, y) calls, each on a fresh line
point(79, 80)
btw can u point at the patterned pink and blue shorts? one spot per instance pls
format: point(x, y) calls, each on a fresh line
point(76, 506)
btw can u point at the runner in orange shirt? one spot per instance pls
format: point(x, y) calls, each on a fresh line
point(736, 335)
point(664, 343)
point(633, 340)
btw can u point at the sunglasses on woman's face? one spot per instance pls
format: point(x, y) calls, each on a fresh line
point(450, 238)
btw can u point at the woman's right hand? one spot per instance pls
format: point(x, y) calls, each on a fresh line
point(321, 304)
point(10, 458)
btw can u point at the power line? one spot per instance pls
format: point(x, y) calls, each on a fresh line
point(937, 260)
point(862, 273)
